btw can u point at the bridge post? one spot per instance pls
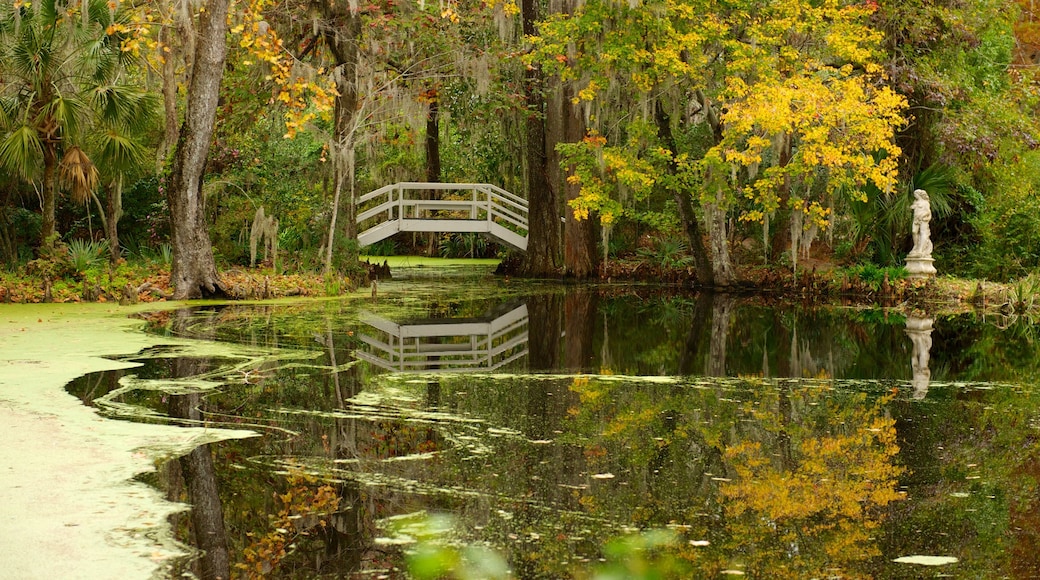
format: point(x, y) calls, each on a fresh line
point(400, 203)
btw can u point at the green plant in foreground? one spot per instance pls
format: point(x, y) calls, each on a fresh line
point(433, 557)
point(86, 254)
point(646, 555)
point(641, 556)
point(1025, 293)
point(667, 254)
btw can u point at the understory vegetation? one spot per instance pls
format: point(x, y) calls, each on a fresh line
point(716, 144)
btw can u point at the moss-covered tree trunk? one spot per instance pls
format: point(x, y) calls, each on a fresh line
point(543, 243)
point(684, 202)
point(341, 31)
point(433, 158)
point(194, 272)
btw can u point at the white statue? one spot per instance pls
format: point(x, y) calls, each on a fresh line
point(919, 260)
point(920, 231)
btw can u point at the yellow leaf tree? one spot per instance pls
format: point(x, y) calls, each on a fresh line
point(761, 108)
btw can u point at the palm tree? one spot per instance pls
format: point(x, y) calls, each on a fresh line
point(117, 147)
point(61, 64)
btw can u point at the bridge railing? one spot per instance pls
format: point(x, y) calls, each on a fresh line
point(445, 345)
point(401, 203)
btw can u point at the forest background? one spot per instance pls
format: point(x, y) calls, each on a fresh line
point(700, 136)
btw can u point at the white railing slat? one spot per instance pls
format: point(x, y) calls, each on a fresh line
point(504, 212)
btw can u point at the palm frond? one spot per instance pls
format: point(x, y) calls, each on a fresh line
point(119, 152)
point(79, 174)
point(116, 103)
point(8, 111)
point(941, 184)
point(21, 151)
point(65, 112)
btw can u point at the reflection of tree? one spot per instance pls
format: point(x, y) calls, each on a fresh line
point(813, 510)
point(795, 476)
point(579, 312)
point(200, 480)
point(691, 346)
point(721, 314)
point(199, 475)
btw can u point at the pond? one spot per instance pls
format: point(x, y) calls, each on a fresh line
point(575, 430)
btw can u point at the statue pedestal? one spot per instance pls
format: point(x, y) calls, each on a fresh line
point(920, 267)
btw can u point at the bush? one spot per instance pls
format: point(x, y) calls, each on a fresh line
point(873, 276)
point(86, 254)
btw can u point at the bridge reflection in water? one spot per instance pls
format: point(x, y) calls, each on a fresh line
point(446, 344)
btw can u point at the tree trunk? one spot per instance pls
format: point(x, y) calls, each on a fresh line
point(194, 273)
point(169, 93)
point(543, 243)
point(579, 236)
point(579, 248)
point(8, 254)
point(113, 212)
point(433, 158)
point(719, 240)
point(342, 29)
point(781, 238)
point(50, 165)
point(683, 200)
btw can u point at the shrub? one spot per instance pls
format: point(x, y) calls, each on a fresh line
point(86, 254)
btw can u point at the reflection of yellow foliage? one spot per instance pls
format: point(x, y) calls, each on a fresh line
point(800, 483)
point(303, 497)
point(823, 496)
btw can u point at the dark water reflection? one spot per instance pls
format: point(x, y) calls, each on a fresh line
point(774, 442)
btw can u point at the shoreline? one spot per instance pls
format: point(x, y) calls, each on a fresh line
point(68, 491)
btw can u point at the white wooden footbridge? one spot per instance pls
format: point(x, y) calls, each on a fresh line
point(469, 207)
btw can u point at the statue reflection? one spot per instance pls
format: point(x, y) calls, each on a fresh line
point(920, 332)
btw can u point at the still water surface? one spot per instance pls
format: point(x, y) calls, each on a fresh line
point(768, 441)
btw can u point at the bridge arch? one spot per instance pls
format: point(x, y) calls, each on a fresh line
point(481, 208)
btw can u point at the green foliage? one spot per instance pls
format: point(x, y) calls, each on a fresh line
point(1025, 294)
point(53, 262)
point(463, 246)
point(69, 89)
point(87, 254)
point(165, 254)
point(881, 224)
point(434, 558)
point(387, 247)
point(333, 285)
point(667, 253)
point(874, 276)
point(648, 555)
